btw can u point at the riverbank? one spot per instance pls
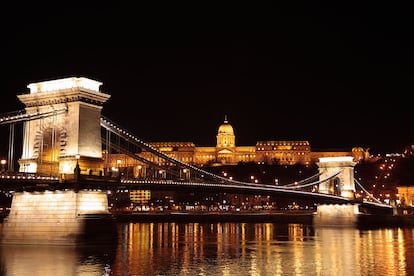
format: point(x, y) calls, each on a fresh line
point(305, 217)
point(274, 217)
point(390, 221)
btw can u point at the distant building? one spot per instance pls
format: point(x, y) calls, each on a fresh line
point(227, 153)
point(406, 194)
point(224, 153)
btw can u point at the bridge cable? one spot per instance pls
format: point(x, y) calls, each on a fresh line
point(368, 193)
point(303, 181)
point(313, 183)
point(108, 124)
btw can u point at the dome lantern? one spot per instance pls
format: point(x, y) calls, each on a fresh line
point(225, 134)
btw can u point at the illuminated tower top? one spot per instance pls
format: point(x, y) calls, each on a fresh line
point(66, 126)
point(67, 83)
point(225, 135)
point(64, 90)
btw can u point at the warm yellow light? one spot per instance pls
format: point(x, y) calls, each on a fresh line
point(92, 202)
point(287, 147)
point(91, 206)
point(336, 159)
point(66, 83)
point(3, 162)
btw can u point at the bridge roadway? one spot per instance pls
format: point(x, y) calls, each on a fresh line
point(21, 182)
point(216, 183)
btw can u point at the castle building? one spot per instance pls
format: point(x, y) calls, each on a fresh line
point(226, 152)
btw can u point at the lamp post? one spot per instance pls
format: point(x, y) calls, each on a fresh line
point(139, 171)
point(161, 174)
point(3, 165)
point(77, 168)
point(77, 171)
point(118, 164)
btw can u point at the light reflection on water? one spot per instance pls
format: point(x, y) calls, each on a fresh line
point(224, 249)
point(21, 260)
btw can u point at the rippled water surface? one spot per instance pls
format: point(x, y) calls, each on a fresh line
point(223, 249)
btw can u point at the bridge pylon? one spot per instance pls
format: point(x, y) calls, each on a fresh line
point(343, 183)
point(69, 134)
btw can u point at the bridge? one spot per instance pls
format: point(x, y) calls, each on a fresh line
point(67, 144)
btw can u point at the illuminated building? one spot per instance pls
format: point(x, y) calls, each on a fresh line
point(224, 153)
point(406, 194)
point(141, 197)
point(227, 153)
point(67, 125)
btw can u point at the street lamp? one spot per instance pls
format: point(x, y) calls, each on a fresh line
point(186, 174)
point(3, 165)
point(77, 170)
point(162, 174)
point(118, 164)
point(139, 171)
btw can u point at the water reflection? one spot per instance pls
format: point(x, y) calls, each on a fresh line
point(17, 260)
point(207, 249)
point(261, 249)
point(224, 249)
point(22, 260)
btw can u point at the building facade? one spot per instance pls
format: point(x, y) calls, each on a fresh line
point(226, 152)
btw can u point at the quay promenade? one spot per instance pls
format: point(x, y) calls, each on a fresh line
point(305, 217)
point(302, 217)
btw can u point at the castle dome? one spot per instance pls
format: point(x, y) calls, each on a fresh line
point(225, 128)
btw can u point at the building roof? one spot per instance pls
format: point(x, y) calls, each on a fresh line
point(225, 128)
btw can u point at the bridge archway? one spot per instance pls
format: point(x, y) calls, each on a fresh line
point(343, 183)
point(71, 131)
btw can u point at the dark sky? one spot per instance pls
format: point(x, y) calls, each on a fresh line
point(337, 76)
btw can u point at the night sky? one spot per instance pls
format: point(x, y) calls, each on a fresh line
point(336, 76)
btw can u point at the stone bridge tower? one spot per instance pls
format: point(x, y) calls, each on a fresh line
point(66, 131)
point(342, 184)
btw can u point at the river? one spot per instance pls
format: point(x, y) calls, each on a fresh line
point(223, 249)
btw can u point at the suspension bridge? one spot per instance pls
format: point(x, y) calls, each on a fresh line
point(68, 144)
point(52, 149)
point(202, 180)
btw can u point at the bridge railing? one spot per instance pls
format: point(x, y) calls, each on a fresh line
point(21, 115)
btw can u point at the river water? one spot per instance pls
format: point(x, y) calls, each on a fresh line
point(223, 249)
